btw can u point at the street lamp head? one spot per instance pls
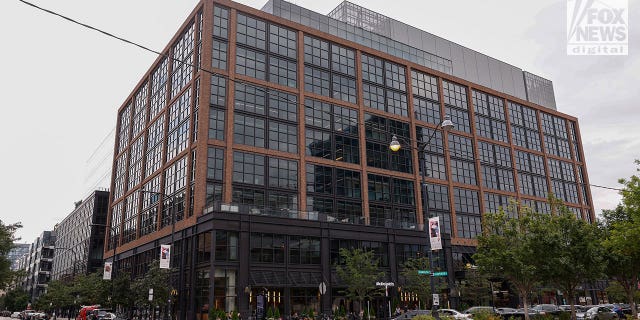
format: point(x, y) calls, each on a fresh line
point(447, 124)
point(395, 144)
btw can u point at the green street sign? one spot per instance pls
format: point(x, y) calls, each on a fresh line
point(424, 271)
point(440, 274)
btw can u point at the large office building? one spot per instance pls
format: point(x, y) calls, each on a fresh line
point(258, 145)
point(80, 238)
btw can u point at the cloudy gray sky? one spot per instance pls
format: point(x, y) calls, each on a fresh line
point(62, 84)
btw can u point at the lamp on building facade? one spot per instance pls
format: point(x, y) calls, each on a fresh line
point(395, 146)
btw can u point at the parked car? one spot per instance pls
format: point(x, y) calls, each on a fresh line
point(546, 309)
point(454, 314)
point(506, 310)
point(615, 308)
point(597, 313)
point(27, 314)
point(16, 315)
point(480, 309)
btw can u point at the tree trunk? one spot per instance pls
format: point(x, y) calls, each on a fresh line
point(525, 303)
point(572, 302)
point(630, 286)
point(632, 303)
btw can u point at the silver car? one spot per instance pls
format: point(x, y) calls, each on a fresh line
point(597, 313)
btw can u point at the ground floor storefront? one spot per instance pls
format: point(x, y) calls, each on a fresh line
point(270, 266)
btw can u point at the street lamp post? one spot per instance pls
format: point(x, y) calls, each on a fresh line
point(395, 145)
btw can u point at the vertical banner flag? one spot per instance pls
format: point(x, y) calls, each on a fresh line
point(165, 256)
point(434, 233)
point(106, 275)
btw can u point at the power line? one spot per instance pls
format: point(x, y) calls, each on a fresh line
point(603, 187)
point(101, 143)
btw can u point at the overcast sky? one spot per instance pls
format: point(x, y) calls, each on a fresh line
point(61, 85)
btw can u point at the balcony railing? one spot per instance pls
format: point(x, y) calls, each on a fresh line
point(309, 215)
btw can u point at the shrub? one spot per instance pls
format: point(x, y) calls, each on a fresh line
point(423, 317)
point(484, 315)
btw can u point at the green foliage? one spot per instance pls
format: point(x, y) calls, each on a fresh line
point(484, 315)
point(15, 300)
point(215, 314)
point(156, 279)
point(234, 315)
point(121, 292)
point(564, 315)
point(423, 317)
point(270, 313)
point(83, 289)
point(414, 282)
point(475, 290)
point(7, 238)
point(358, 273)
point(507, 249)
point(616, 293)
point(621, 232)
point(573, 250)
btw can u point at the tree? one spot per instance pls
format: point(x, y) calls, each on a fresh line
point(59, 295)
point(121, 292)
point(156, 279)
point(359, 273)
point(621, 237)
point(414, 282)
point(7, 238)
point(616, 293)
point(573, 251)
point(15, 300)
point(92, 289)
point(475, 290)
point(506, 249)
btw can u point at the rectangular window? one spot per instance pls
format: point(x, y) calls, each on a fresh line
point(182, 61)
point(248, 168)
point(343, 60)
point(283, 71)
point(455, 95)
point(426, 110)
point(219, 56)
point(344, 88)
point(468, 226)
point(316, 80)
point(316, 52)
point(283, 137)
point(460, 118)
point(251, 32)
point(283, 41)
point(283, 173)
point(251, 63)
point(386, 87)
point(338, 138)
point(215, 164)
point(159, 88)
point(424, 85)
